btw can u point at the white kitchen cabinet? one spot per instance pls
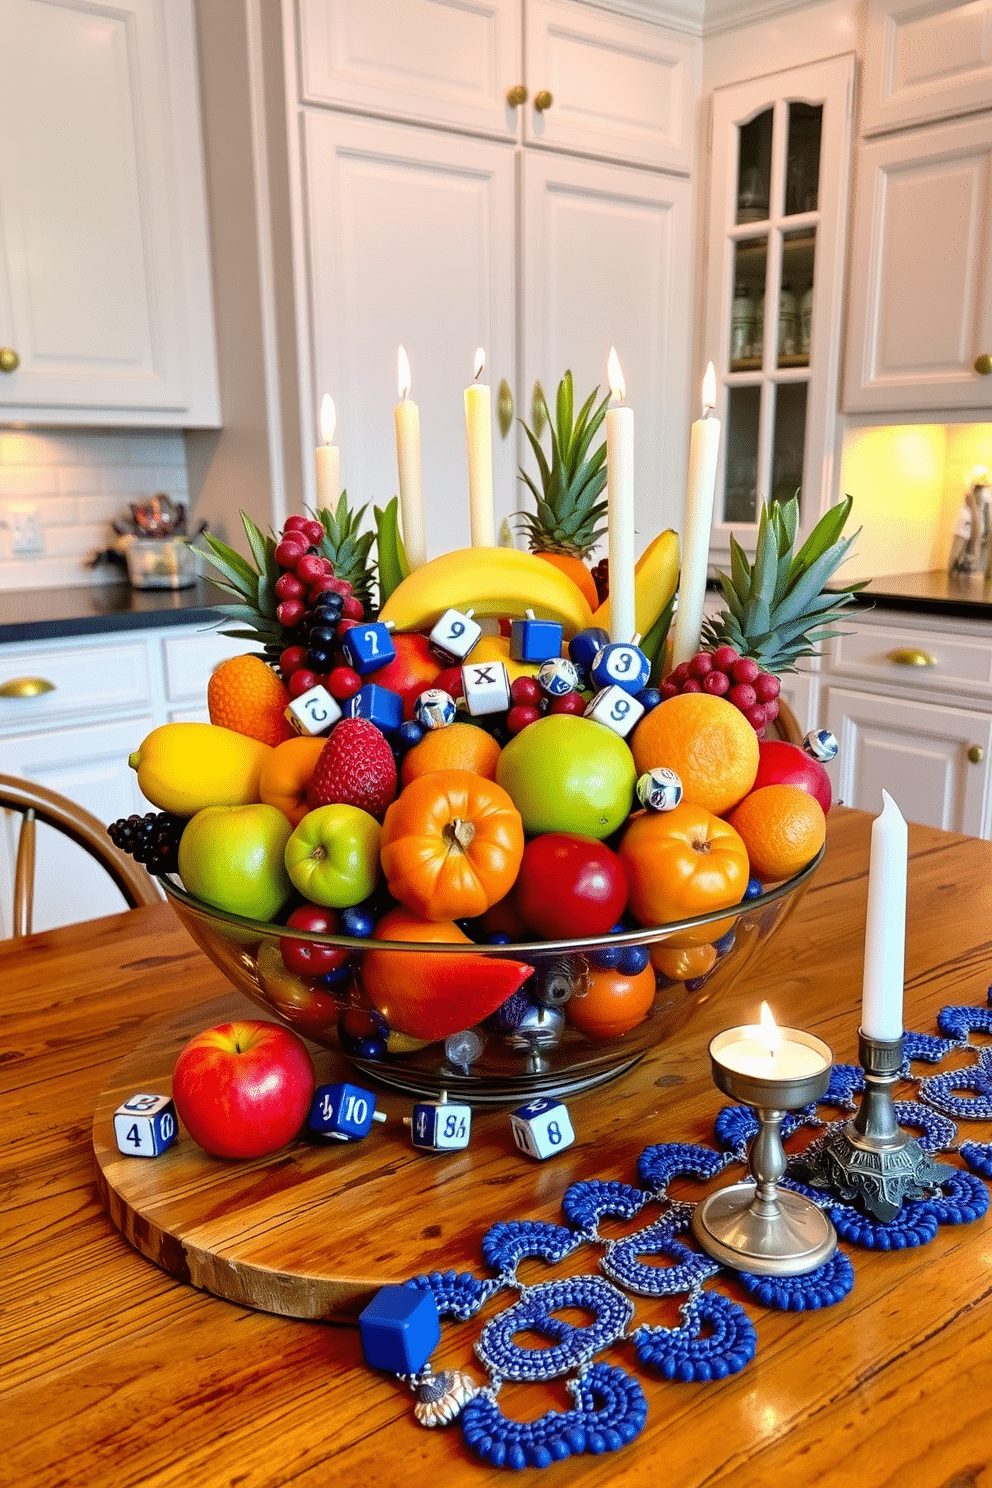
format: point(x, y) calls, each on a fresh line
point(778, 197)
point(909, 699)
point(920, 307)
point(552, 72)
point(107, 693)
point(925, 62)
point(105, 295)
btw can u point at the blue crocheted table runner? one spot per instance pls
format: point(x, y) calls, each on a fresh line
point(715, 1337)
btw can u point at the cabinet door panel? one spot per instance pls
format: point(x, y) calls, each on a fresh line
point(620, 87)
point(423, 60)
point(104, 279)
point(925, 62)
point(920, 310)
point(606, 262)
point(89, 765)
point(411, 242)
point(918, 752)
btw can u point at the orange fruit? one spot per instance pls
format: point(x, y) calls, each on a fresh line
point(612, 1003)
point(680, 864)
point(782, 828)
point(683, 965)
point(460, 746)
point(575, 569)
point(286, 774)
point(707, 742)
point(245, 695)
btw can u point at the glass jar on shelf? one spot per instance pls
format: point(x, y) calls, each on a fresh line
point(806, 321)
point(741, 323)
point(788, 311)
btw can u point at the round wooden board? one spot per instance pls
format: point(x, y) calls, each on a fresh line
point(315, 1229)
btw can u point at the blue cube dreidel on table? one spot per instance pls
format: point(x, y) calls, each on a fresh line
point(440, 1126)
point(145, 1125)
point(343, 1111)
point(542, 1128)
point(400, 1329)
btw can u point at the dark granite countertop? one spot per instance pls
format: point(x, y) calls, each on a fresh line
point(93, 609)
point(964, 596)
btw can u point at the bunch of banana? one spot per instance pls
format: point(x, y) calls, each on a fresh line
point(656, 578)
point(491, 582)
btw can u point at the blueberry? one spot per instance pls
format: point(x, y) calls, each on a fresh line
point(329, 605)
point(323, 637)
point(369, 1047)
point(606, 958)
point(334, 978)
point(633, 960)
point(499, 937)
point(726, 942)
point(409, 733)
point(754, 889)
point(648, 697)
point(511, 1012)
point(358, 921)
point(319, 660)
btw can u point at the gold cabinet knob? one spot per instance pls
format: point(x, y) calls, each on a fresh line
point(25, 687)
point(9, 360)
point(516, 95)
point(910, 656)
point(542, 101)
point(983, 364)
point(976, 754)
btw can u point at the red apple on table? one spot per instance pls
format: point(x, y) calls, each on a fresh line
point(781, 763)
point(570, 886)
point(243, 1089)
point(414, 668)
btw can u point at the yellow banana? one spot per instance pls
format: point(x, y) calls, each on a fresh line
point(490, 581)
point(656, 577)
point(497, 648)
point(183, 767)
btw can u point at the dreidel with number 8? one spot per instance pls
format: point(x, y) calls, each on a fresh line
point(440, 1126)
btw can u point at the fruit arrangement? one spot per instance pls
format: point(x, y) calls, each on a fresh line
point(473, 763)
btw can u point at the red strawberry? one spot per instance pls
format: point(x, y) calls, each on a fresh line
point(355, 768)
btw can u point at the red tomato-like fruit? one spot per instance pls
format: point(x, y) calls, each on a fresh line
point(308, 958)
point(781, 763)
point(570, 886)
point(612, 1004)
point(243, 1089)
point(414, 668)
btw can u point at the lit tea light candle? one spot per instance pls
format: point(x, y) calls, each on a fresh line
point(327, 456)
point(406, 417)
point(620, 504)
point(764, 1051)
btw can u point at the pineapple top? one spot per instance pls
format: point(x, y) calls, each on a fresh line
point(569, 510)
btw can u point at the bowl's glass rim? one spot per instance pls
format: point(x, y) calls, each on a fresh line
point(517, 949)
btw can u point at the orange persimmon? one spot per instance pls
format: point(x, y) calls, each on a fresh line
point(680, 864)
point(451, 845)
point(286, 775)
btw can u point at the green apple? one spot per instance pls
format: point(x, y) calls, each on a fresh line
point(571, 774)
point(232, 858)
point(332, 857)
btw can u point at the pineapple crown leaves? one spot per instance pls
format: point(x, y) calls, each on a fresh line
point(252, 586)
point(567, 500)
point(774, 602)
point(348, 548)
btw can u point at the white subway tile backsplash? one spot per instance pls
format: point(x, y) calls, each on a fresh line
point(80, 480)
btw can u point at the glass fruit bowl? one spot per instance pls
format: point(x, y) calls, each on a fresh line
point(568, 1026)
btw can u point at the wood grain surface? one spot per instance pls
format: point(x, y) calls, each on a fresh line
point(113, 1372)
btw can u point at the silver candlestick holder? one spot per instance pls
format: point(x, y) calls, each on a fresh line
point(872, 1159)
point(755, 1226)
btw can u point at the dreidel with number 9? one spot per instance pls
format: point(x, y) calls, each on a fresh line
point(440, 1126)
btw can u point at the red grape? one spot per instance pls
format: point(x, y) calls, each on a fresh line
point(520, 717)
point(742, 696)
point(724, 657)
point(745, 669)
point(300, 682)
point(766, 687)
point(288, 586)
point(526, 691)
point(716, 683)
point(701, 665)
point(572, 702)
point(289, 613)
point(756, 716)
point(343, 683)
point(289, 552)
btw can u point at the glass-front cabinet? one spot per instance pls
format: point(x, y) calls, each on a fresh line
point(780, 162)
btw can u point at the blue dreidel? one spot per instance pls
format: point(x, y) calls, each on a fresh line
point(314, 712)
point(399, 1329)
point(486, 687)
point(378, 705)
point(586, 645)
point(343, 1111)
point(366, 648)
point(440, 1126)
point(145, 1125)
point(534, 640)
point(616, 708)
point(454, 636)
point(621, 664)
point(542, 1128)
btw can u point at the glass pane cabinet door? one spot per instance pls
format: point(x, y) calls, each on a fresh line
point(778, 212)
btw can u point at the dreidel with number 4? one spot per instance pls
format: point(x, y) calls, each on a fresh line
point(440, 1126)
point(343, 1111)
point(145, 1125)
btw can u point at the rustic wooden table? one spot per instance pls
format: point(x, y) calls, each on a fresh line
point(114, 1373)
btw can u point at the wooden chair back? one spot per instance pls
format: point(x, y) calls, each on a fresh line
point(36, 804)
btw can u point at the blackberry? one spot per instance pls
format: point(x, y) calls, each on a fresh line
point(152, 840)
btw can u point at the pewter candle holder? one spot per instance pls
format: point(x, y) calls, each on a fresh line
point(872, 1159)
point(755, 1226)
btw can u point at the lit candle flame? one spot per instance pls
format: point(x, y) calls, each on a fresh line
point(768, 1030)
point(403, 372)
point(480, 362)
point(618, 388)
point(709, 390)
point(328, 419)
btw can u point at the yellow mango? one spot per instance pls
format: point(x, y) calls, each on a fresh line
point(183, 767)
